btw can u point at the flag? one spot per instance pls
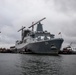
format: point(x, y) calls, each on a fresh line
point(32, 22)
point(59, 33)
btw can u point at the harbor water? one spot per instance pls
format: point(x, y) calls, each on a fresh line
point(29, 64)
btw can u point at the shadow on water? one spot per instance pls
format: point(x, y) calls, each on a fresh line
point(41, 65)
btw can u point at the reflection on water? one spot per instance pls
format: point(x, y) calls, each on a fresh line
point(27, 64)
point(41, 65)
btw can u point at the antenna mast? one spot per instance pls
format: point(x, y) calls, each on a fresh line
point(22, 31)
point(36, 23)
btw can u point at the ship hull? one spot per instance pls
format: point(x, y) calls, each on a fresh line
point(44, 47)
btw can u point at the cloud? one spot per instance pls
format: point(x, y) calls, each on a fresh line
point(60, 17)
point(66, 5)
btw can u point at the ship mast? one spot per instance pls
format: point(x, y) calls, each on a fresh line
point(32, 26)
point(22, 31)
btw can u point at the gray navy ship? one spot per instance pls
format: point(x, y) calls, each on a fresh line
point(39, 41)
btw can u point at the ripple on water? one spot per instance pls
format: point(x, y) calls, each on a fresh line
point(27, 64)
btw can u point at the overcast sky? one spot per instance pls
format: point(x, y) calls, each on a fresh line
point(60, 17)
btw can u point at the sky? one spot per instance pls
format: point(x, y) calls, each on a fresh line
point(60, 17)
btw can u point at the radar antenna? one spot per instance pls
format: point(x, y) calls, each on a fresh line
point(36, 23)
point(21, 29)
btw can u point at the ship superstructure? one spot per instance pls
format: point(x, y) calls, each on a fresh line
point(39, 41)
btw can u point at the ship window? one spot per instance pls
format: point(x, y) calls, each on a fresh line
point(33, 35)
point(24, 41)
point(52, 45)
point(42, 37)
point(39, 38)
point(48, 37)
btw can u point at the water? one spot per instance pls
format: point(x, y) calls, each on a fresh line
point(27, 64)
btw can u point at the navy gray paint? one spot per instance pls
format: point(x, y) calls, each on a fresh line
point(45, 47)
point(39, 41)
